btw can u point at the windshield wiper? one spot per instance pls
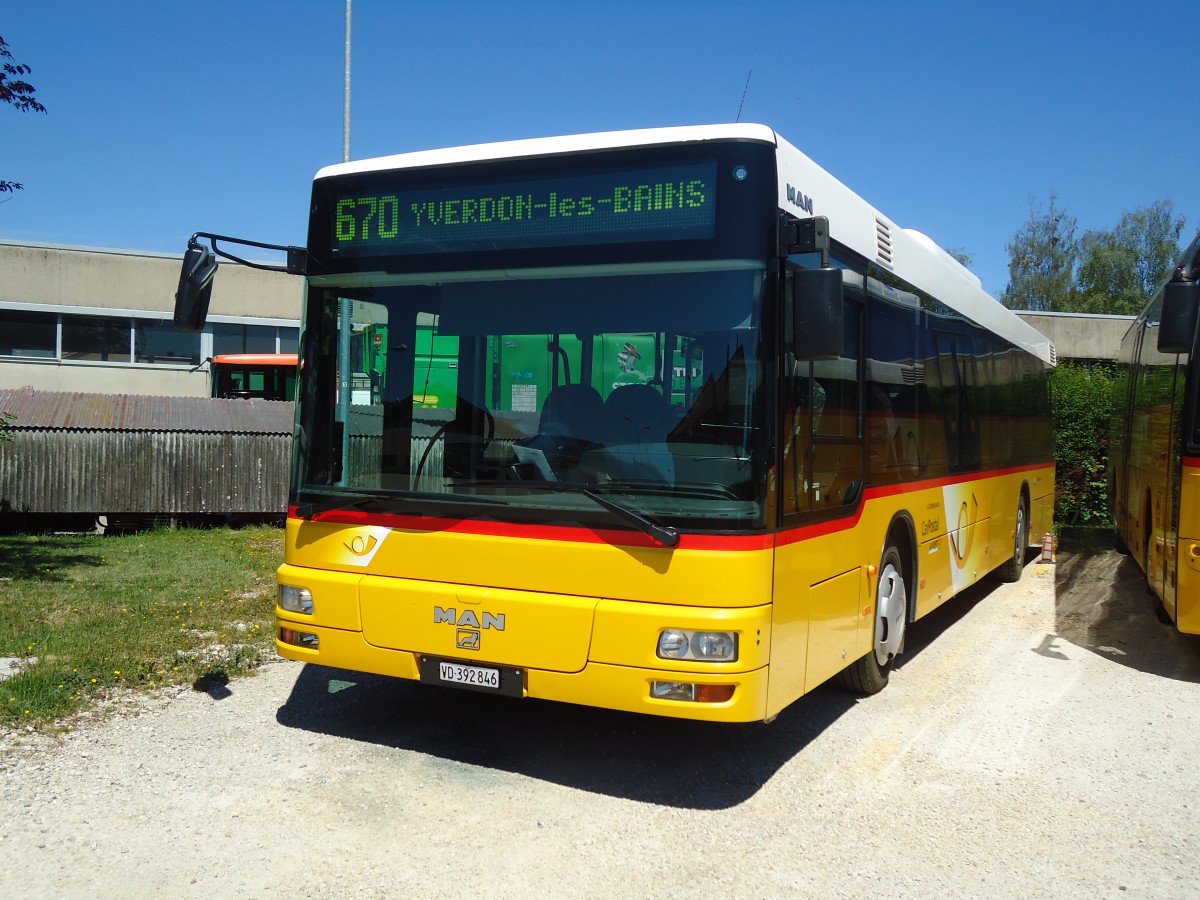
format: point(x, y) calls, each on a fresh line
point(311, 509)
point(664, 534)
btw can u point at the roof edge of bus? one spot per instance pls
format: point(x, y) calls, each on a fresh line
point(544, 146)
point(910, 254)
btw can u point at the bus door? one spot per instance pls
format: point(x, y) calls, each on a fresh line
point(1157, 394)
point(1121, 443)
point(1174, 488)
point(819, 582)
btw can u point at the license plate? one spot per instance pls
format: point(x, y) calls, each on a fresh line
point(471, 676)
point(490, 679)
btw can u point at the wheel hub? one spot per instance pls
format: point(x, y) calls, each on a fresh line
point(891, 609)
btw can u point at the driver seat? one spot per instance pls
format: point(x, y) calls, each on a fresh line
point(573, 411)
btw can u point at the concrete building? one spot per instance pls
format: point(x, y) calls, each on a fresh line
point(1081, 337)
point(99, 321)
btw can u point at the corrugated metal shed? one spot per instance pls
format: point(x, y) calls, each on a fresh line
point(110, 453)
point(53, 410)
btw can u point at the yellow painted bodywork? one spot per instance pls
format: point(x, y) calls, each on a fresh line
point(1187, 546)
point(1144, 516)
point(581, 618)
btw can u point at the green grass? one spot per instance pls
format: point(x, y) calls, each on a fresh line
point(141, 611)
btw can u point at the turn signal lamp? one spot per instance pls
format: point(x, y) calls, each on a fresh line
point(691, 693)
point(304, 639)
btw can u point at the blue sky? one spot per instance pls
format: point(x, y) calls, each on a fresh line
point(950, 117)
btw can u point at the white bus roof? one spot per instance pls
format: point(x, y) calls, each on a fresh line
point(853, 222)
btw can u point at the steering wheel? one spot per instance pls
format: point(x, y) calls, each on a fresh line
point(484, 439)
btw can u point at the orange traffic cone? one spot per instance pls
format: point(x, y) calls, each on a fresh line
point(1047, 547)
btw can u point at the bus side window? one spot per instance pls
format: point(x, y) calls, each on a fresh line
point(798, 405)
point(894, 382)
point(837, 455)
point(823, 427)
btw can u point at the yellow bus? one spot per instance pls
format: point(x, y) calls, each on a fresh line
point(709, 429)
point(1154, 453)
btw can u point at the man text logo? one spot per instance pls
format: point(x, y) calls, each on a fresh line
point(467, 619)
point(798, 198)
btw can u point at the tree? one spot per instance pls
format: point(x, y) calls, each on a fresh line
point(964, 258)
point(17, 92)
point(1082, 402)
point(1121, 269)
point(1042, 257)
point(1113, 272)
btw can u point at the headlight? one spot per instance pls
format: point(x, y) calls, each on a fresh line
point(706, 646)
point(295, 599)
point(673, 644)
point(715, 645)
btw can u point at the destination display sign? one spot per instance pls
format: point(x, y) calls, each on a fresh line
point(660, 203)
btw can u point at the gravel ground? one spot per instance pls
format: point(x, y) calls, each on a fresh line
point(1033, 742)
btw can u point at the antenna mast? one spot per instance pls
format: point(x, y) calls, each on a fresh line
point(346, 108)
point(745, 91)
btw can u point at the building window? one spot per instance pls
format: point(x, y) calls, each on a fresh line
point(131, 339)
point(235, 338)
point(29, 335)
point(95, 338)
point(162, 344)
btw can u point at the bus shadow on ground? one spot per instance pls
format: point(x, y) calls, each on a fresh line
point(1101, 603)
point(925, 631)
point(671, 762)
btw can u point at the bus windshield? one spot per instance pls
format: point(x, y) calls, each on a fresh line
point(523, 395)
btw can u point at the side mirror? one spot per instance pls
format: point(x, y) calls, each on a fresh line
point(195, 287)
point(1177, 324)
point(817, 328)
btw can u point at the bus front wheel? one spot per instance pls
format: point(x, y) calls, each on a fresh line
point(869, 675)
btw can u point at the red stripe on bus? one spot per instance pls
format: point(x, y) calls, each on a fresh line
point(1192, 462)
point(567, 533)
point(904, 487)
point(581, 534)
point(805, 532)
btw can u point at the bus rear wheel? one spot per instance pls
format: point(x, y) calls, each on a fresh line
point(1015, 564)
point(869, 675)
point(1160, 607)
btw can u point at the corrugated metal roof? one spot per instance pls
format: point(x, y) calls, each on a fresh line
point(33, 410)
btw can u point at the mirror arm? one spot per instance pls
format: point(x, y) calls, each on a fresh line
point(1180, 305)
point(1188, 269)
point(804, 236)
point(1189, 262)
point(297, 257)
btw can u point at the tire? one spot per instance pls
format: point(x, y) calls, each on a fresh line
point(1015, 564)
point(1118, 542)
point(869, 675)
point(1160, 611)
